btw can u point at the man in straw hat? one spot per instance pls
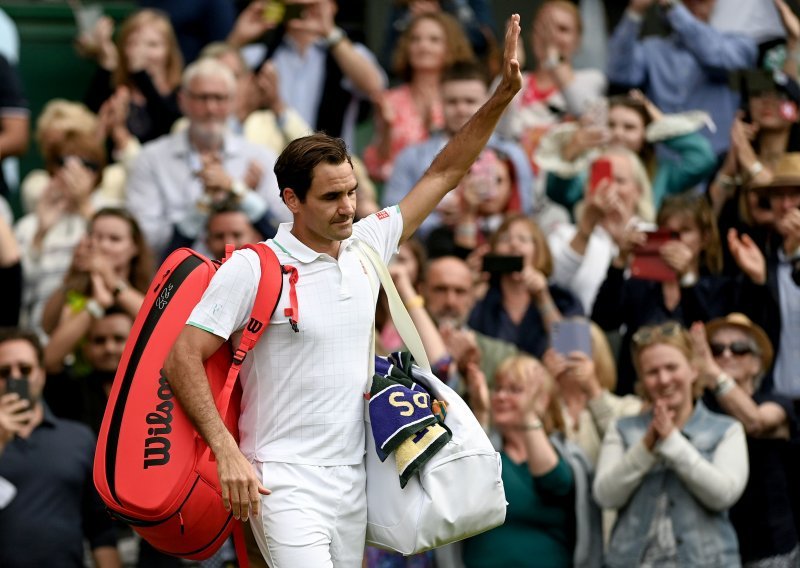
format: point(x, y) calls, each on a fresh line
point(733, 359)
point(774, 301)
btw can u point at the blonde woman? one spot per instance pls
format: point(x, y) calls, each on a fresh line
point(674, 471)
point(550, 513)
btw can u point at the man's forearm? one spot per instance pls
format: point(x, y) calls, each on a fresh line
point(364, 75)
point(106, 557)
point(458, 155)
point(187, 378)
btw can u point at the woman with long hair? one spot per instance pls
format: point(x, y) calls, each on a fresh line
point(521, 306)
point(551, 517)
point(145, 74)
point(636, 124)
point(111, 267)
point(695, 290)
point(406, 114)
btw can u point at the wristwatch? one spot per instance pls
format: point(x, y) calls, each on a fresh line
point(95, 309)
point(335, 37)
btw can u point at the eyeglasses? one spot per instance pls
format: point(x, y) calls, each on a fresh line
point(209, 97)
point(24, 368)
point(737, 348)
point(651, 333)
point(88, 164)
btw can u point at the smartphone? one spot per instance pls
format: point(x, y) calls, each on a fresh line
point(601, 170)
point(277, 11)
point(19, 386)
point(572, 335)
point(501, 264)
point(647, 263)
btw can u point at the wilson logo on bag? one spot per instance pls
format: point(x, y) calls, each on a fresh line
point(152, 469)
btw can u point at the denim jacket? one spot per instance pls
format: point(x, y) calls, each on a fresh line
point(704, 538)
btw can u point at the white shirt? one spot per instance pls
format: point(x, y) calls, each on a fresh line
point(758, 19)
point(787, 362)
point(303, 392)
point(581, 274)
point(163, 185)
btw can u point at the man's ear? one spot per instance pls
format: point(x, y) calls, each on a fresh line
point(291, 200)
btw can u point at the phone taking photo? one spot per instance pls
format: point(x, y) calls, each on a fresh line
point(647, 263)
point(501, 264)
point(572, 335)
point(602, 170)
point(19, 386)
point(277, 11)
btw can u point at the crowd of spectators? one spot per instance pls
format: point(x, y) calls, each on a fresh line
point(614, 287)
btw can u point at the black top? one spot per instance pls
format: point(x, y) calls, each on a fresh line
point(11, 293)
point(56, 503)
point(489, 317)
point(765, 517)
point(12, 102)
point(632, 303)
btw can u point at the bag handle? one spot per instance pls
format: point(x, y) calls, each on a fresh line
point(402, 320)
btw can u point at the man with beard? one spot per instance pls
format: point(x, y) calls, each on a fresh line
point(297, 471)
point(178, 177)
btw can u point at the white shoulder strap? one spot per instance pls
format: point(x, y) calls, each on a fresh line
point(402, 321)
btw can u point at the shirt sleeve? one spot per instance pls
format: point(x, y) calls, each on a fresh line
point(717, 483)
point(620, 471)
point(228, 301)
point(382, 231)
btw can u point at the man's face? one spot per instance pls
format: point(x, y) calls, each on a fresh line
point(106, 341)
point(700, 9)
point(327, 213)
point(207, 102)
point(460, 100)
point(18, 361)
point(782, 200)
point(448, 290)
point(229, 227)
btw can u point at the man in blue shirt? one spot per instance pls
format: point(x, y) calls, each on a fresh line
point(687, 70)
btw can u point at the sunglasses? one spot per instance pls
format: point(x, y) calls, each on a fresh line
point(737, 348)
point(88, 164)
point(24, 369)
point(652, 333)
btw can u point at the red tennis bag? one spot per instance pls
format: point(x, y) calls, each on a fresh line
point(151, 468)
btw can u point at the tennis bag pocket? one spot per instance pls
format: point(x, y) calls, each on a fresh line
point(151, 468)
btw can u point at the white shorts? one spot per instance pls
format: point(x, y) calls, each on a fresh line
point(315, 516)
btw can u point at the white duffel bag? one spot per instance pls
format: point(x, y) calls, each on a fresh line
point(459, 492)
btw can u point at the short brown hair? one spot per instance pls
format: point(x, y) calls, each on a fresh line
point(85, 145)
point(295, 166)
point(544, 259)
point(21, 334)
point(458, 46)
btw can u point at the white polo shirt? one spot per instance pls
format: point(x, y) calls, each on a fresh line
point(303, 391)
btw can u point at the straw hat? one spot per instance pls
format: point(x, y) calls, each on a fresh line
point(786, 173)
point(741, 321)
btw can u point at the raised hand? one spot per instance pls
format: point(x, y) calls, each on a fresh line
point(251, 24)
point(511, 81)
point(748, 256)
point(705, 359)
point(677, 255)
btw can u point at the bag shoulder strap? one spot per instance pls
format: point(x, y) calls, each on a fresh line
point(270, 286)
point(402, 320)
